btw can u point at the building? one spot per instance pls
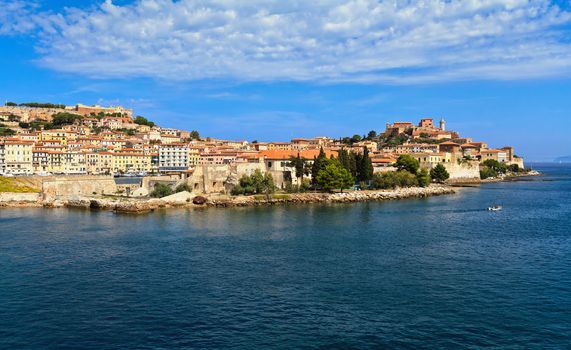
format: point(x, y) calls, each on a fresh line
point(16, 157)
point(174, 158)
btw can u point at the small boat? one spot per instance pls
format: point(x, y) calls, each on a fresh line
point(495, 208)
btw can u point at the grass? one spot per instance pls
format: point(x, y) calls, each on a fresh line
point(15, 185)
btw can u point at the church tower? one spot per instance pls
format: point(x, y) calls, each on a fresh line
point(442, 124)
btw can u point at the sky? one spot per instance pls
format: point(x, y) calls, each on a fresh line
point(495, 70)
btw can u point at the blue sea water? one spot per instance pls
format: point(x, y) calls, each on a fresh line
point(436, 273)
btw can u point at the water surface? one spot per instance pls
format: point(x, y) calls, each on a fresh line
point(432, 273)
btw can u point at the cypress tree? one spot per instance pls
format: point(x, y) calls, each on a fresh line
point(317, 165)
point(366, 166)
point(353, 164)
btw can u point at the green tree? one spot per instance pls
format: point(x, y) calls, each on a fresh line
point(317, 165)
point(487, 172)
point(195, 135)
point(498, 167)
point(344, 158)
point(423, 178)
point(514, 168)
point(298, 163)
point(365, 167)
point(11, 104)
point(140, 120)
point(6, 131)
point(408, 163)
point(356, 138)
point(257, 183)
point(372, 135)
point(334, 176)
point(64, 118)
point(439, 173)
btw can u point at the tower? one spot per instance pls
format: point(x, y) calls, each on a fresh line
point(442, 124)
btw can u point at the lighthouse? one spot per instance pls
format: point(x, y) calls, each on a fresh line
point(442, 124)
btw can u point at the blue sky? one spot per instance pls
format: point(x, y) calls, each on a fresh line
point(271, 70)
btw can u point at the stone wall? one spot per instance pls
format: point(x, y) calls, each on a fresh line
point(78, 185)
point(466, 171)
point(221, 178)
point(7, 197)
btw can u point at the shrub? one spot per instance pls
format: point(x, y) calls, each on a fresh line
point(183, 187)
point(394, 179)
point(256, 183)
point(161, 190)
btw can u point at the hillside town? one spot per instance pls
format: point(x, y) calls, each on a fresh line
point(42, 139)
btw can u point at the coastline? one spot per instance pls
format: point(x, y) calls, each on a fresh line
point(184, 200)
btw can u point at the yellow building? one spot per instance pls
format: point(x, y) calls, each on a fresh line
point(60, 135)
point(131, 162)
point(16, 157)
point(281, 146)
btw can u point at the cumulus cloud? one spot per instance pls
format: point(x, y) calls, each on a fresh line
point(386, 41)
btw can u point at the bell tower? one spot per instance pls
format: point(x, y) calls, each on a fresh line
point(442, 124)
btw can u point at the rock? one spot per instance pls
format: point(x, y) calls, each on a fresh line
point(199, 200)
point(179, 198)
point(78, 202)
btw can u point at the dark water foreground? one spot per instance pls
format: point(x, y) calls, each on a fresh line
point(430, 273)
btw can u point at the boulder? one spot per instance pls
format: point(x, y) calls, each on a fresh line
point(199, 200)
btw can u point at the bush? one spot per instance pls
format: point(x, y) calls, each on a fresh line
point(514, 168)
point(394, 179)
point(303, 187)
point(161, 190)
point(256, 183)
point(183, 187)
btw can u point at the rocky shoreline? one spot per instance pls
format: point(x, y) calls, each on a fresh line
point(185, 200)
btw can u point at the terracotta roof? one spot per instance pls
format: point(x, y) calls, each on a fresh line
point(286, 154)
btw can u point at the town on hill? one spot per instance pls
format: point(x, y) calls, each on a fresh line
point(46, 139)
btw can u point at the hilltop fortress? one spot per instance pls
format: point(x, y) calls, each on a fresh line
point(55, 141)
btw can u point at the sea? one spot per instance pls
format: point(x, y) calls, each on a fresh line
point(434, 273)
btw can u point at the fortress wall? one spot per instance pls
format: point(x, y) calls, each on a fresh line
point(78, 185)
point(220, 178)
point(6, 197)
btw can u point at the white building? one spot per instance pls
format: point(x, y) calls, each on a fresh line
point(174, 157)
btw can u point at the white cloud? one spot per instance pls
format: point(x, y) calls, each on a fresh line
point(386, 41)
